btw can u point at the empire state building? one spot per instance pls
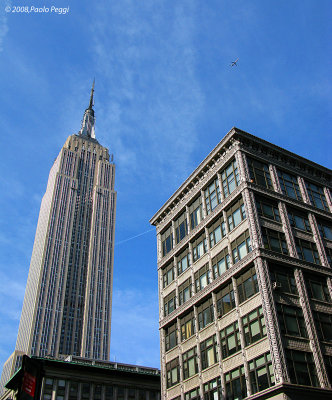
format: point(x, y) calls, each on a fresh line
point(68, 298)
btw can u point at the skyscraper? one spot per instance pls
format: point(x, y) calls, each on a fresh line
point(68, 298)
point(245, 279)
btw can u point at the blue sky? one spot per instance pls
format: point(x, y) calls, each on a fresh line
point(165, 96)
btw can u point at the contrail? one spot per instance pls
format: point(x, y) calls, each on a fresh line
point(134, 237)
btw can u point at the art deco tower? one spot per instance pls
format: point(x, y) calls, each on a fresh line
point(68, 297)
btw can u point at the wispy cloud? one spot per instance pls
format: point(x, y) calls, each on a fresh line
point(147, 57)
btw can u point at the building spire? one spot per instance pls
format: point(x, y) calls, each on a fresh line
point(91, 95)
point(88, 122)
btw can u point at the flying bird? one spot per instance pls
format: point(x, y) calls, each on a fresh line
point(234, 63)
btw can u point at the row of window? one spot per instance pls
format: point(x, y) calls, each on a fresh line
point(229, 178)
point(301, 367)
point(260, 372)
point(246, 287)
point(225, 301)
point(56, 389)
point(259, 174)
point(284, 281)
point(240, 247)
point(268, 208)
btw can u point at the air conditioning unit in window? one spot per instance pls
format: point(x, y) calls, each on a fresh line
point(276, 285)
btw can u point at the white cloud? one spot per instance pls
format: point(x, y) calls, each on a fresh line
point(153, 99)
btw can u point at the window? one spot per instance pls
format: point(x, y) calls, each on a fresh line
point(167, 241)
point(189, 360)
point(217, 231)
point(247, 284)
point(317, 196)
point(209, 355)
point(317, 288)
point(324, 326)
point(181, 227)
point(284, 280)
point(73, 391)
point(307, 251)
point(205, 314)
point(183, 260)
point(212, 196)
point(241, 246)
point(274, 240)
point(301, 368)
point(172, 372)
point(169, 303)
point(109, 393)
point(202, 278)
point(187, 324)
point(121, 393)
point(212, 389)
point(60, 392)
point(199, 247)
point(268, 208)
point(97, 393)
point(192, 394)
point(291, 320)
point(220, 263)
point(236, 388)
point(86, 387)
point(48, 389)
point(230, 339)
point(325, 229)
point(254, 326)
point(289, 185)
point(299, 220)
point(259, 173)
point(195, 213)
point(225, 300)
point(261, 373)
point(230, 178)
point(235, 214)
point(168, 274)
point(170, 337)
point(185, 291)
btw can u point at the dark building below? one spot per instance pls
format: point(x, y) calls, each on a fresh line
point(76, 378)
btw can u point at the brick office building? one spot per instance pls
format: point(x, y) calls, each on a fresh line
point(244, 269)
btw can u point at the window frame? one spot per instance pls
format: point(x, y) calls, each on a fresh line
point(209, 346)
point(254, 316)
point(316, 195)
point(248, 277)
point(289, 185)
point(205, 313)
point(291, 316)
point(268, 235)
point(212, 194)
point(237, 207)
point(302, 245)
point(228, 177)
point(225, 335)
point(259, 173)
point(198, 275)
point(254, 366)
point(188, 357)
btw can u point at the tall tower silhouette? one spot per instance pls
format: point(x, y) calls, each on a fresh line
point(68, 298)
